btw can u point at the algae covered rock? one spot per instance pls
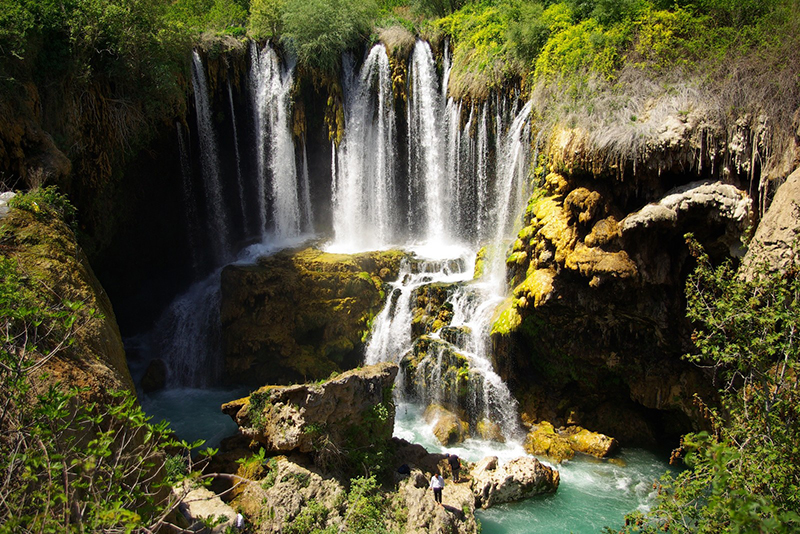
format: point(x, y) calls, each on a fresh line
point(353, 411)
point(562, 444)
point(543, 440)
point(513, 481)
point(301, 315)
point(35, 235)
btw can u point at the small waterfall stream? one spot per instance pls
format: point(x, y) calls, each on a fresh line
point(216, 215)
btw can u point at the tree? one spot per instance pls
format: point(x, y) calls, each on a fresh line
point(744, 475)
point(320, 30)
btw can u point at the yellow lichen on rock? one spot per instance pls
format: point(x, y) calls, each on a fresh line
point(603, 232)
point(583, 204)
point(543, 440)
point(594, 262)
point(536, 289)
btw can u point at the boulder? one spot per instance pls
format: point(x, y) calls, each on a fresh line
point(591, 443)
point(447, 427)
point(424, 516)
point(204, 510)
point(155, 376)
point(562, 444)
point(288, 488)
point(351, 411)
point(518, 479)
point(543, 440)
point(301, 315)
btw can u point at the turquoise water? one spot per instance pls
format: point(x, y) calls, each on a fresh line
point(194, 413)
point(592, 493)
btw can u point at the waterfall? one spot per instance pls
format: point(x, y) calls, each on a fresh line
point(305, 184)
point(239, 178)
point(215, 206)
point(276, 167)
point(187, 336)
point(364, 191)
point(426, 167)
point(482, 173)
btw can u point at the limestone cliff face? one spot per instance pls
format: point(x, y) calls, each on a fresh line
point(595, 327)
point(46, 248)
point(774, 238)
point(300, 314)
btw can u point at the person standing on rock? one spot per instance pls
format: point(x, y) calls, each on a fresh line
point(455, 466)
point(437, 485)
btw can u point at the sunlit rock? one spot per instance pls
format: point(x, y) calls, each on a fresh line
point(513, 481)
point(352, 410)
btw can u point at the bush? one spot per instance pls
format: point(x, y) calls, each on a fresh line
point(319, 31)
point(744, 475)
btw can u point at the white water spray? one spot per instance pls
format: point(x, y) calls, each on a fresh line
point(277, 170)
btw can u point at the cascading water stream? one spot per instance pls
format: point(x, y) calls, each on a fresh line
point(364, 192)
point(426, 165)
point(482, 394)
point(217, 216)
point(277, 170)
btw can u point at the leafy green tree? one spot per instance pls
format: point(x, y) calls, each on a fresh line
point(266, 18)
point(320, 30)
point(744, 475)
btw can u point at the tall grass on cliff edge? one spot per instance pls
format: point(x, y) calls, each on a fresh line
point(741, 94)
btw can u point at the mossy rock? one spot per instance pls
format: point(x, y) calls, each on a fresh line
point(543, 440)
point(301, 314)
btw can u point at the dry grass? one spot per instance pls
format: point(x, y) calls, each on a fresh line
point(398, 40)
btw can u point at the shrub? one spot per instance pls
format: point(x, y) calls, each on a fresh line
point(744, 475)
point(320, 30)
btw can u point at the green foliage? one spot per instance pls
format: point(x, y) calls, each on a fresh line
point(259, 401)
point(72, 460)
point(744, 476)
point(312, 518)
point(320, 30)
point(44, 203)
point(582, 48)
point(365, 507)
point(266, 18)
point(480, 50)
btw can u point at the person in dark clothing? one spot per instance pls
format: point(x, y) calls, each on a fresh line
point(455, 466)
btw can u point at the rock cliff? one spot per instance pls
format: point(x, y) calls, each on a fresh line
point(302, 314)
point(351, 412)
point(46, 248)
point(595, 327)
